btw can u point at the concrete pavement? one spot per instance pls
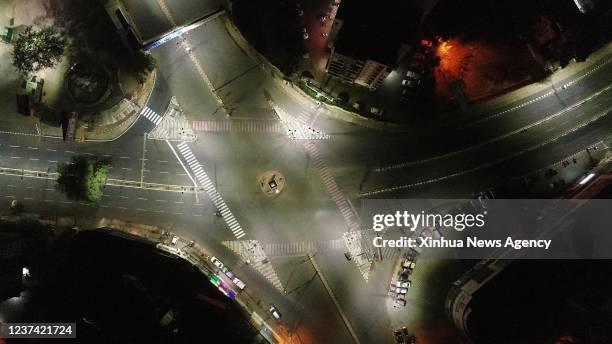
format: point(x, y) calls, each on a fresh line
point(307, 211)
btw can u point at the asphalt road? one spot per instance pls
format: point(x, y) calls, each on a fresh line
point(503, 142)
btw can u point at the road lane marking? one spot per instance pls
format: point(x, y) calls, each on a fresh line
point(33, 148)
point(51, 150)
point(69, 152)
point(52, 161)
point(498, 138)
point(488, 164)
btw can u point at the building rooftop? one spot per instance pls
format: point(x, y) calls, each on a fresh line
point(376, 31)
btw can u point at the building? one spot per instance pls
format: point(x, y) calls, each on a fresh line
point(13, 249)
point(365, 49)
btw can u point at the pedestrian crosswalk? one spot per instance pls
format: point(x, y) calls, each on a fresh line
point(252, 251)
point(389, 253)
point(331, 186)
point(239, 125)
point(173, 129)
point(151, 115)
point(353, 244)
point(210, 189)
point(304, 117)
point(296, 248)
point(294, 128)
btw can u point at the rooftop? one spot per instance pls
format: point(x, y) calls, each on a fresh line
point(376, 31)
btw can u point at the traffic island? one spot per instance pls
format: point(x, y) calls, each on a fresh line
point(272, 183)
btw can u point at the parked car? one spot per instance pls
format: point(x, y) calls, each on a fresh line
point(227, 272)
point(410, 83)
point(405, 284)
point(304, 33)
point(399, 290)
point(399, 337)
point(175, 240)
point(413, 75)
point(376, 111)
point(274, 311)
point(216, 262)
point(239, 283)
point(409, 264)
point(399, 302)
point(416, 66)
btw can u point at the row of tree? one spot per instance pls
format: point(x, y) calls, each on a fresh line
point(83, 178)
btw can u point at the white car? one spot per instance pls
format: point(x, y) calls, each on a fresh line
point(275, 313)
point(216, 262)
point(175, 240)
point(405, 284)
point(239, 283)
point(399, 290)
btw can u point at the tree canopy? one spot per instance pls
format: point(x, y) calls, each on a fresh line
point(83, 178)
point(38, 49)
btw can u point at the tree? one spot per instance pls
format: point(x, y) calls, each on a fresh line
point(35, 50)
point(83, 178)
point(140, 64)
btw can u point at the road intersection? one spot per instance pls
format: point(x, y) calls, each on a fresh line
point(328, 164)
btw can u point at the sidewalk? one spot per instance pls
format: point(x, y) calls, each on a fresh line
point(299, 95)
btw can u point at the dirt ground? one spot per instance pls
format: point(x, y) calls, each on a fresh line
point(485, 68)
